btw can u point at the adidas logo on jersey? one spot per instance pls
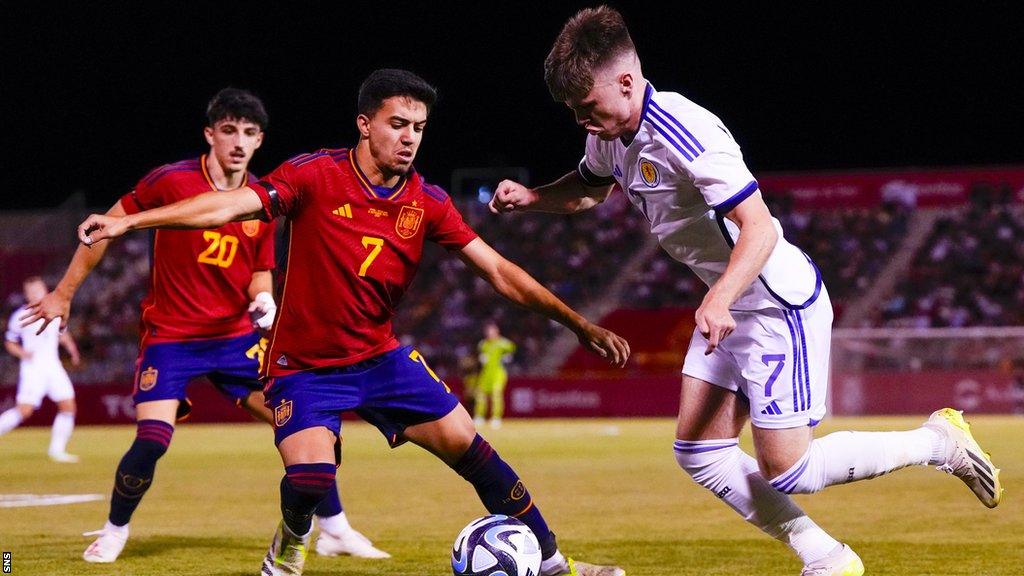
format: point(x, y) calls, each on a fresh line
point(343, 211)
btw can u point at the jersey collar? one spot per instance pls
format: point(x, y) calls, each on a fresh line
point(648, 92)
point(206, 175)
point(378, 192)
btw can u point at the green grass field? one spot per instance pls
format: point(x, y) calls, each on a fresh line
point(610, 488)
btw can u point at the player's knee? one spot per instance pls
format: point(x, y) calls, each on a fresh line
point(26, 411)
point(803, 477)
point(708, 462)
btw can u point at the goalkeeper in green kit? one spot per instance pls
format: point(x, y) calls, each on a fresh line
point(495, 351)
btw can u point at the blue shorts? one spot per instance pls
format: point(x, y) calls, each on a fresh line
point(392, 391)
point(232, 364)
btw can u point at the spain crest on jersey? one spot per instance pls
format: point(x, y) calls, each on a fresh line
point(649, 173)
point(147, 380)
point(408, 222)
point(283, 413)
point(251, 228)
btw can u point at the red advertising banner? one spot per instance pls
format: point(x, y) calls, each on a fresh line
point(975, 391)
point(112, 404)
point(941, 187)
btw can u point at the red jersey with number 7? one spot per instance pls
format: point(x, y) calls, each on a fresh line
point(353, 250)
point(199, 279)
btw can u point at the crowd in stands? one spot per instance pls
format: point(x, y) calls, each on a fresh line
point(850, 246)
point(970, 272)
point(575, 256)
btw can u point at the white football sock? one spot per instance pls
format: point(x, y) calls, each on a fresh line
point(733, 476)
point(843, 457)
point(334, 524)
point(9, 420)
point(109, 527)
point(63, 425)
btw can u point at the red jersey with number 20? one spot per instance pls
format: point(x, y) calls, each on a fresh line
point(199, 279)
point(353, 250)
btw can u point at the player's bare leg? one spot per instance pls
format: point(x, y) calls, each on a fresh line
point(337, 537)
point(63, 426)
point(454, 439)
point(134, 476)
point(707, 448)
point(13, 417)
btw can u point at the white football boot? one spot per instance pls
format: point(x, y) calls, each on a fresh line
point(108, 546)
point(844, 562)
point(287, 553)
point(64, 457)
point(348, 542)
point(964, 457)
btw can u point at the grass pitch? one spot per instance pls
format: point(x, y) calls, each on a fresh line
point(610, 489)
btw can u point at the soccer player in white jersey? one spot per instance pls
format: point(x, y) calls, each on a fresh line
point(761, 347)
point(41, 373)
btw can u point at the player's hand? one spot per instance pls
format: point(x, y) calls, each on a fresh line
point(100, 227)
point(605, 344)
point(76, 358)
point(510, 196)
point(26, 355)
point(715, 322)
point(54, 305)
point(262, 311)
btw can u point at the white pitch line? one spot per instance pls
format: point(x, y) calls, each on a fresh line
point(25, 500)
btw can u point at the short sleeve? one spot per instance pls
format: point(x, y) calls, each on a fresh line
point(13, 332)
point(147, 194)
point(449, 229)
point(595, 168)
point(282, 191)
point(265, 248)
point(707, 152)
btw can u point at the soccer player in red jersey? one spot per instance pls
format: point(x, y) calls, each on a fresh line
point(360, 218)
point(210, 289)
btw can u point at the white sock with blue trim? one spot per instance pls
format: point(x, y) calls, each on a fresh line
point(733, 476)
point(843, 457)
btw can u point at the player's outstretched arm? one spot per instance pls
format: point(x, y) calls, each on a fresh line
point(567, 195)
point(756, 241)
point(58, 303)
point(209, 210)
point(68, 342)
point(514, 283)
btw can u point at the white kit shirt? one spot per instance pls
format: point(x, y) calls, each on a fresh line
point(44, 347)
point(684, 172)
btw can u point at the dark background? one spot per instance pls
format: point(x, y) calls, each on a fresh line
point(93, 97)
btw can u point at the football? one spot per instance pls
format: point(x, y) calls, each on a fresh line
point(496, 546)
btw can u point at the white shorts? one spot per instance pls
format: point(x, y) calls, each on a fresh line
point(35, 382)
point(778, 359)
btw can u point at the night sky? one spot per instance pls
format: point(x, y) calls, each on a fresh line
point(94, 97)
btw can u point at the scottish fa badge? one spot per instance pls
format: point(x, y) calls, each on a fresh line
point(283, 413)
point(649, 173)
